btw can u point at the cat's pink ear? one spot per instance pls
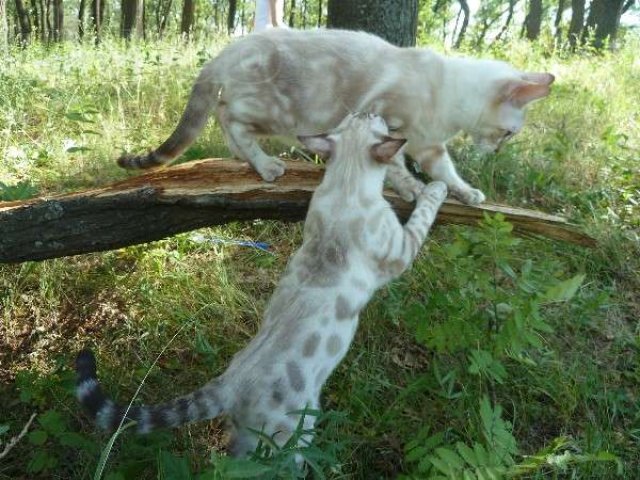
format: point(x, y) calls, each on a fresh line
point(384, 151)
point(321, 145)
point(519, 93)
point(541, 78)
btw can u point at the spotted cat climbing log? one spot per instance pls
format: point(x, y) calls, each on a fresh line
point(198, 194)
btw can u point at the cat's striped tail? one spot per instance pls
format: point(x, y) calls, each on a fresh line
point(201, 404)
point(203, 99)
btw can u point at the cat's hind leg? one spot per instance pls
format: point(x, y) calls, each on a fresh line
point(243, 144)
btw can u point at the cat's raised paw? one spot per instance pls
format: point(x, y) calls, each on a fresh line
point(271, 168)
point(470, 196)
point(409, 189)
point(437, 189)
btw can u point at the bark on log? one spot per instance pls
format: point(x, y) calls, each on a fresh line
point(197, 194)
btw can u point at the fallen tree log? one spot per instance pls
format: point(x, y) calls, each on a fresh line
point(197, 194)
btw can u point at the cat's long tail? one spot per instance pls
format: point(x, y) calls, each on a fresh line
point(202, 101)
point(201, 404)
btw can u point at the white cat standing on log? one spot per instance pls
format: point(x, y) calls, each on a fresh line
point(353, 245)
point(292, 82)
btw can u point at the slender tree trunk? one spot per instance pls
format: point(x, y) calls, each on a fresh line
point(557, 24)
point(505, 27)
point(292, 14)
point(47, 17)
point(231, 16)
point(603, 22)
point(164, 16)
point(81, 8)
point(97, 14)
point(128, 19)
point(438, 5)
point(188, 13)
point(24, 21)
point(577, 22)
point(533, 21)
point(36, 17)
point(319, 13)
point(58, 20)
point(627, 6)
point(140, 19)
point(4, 27)
point(394, 20)
point(464, 6)
point(43, 27)
point(304, 14)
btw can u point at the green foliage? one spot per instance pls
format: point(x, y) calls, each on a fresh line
point(491, 301)
point(490, 457)
point(20, 191)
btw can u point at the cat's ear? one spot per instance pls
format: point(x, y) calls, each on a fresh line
point(519, 93)
point(321, 145)
point(541, 78)
point(384, 151)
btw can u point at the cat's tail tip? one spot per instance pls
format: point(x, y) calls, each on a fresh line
point(140, 162)
point(85, 365)
point(90, 394)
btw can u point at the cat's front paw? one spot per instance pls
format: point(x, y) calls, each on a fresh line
point(437, 190)
point(409, 188)
point(470, 196)
point(270, 168)
point(408, 194)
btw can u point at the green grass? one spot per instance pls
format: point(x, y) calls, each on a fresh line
point(562, 384)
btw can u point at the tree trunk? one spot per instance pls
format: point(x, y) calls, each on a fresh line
point(97, 14)
point(577, 23)
point(81, 8)
point(303, 14)
point(627, 6)
point(319, 14)
point(36, 18)
point(464, 6)
point(128, 18)
point(24, 21)
point(603, 22)
point(292, 14)
point(231, 17)
point(163, 16)
point(140, 19)
point(394, 20)
point(43, 28)
point(47, 17)
point(58, 21)
point(533, 21)
point(198, 194)
point(557, 24)
point(505, 27)
point(4, 27)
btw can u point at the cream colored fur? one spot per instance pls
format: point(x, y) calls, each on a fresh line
point(290, 82)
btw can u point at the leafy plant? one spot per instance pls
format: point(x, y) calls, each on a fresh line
point(492, 457)
point(492, 304)
point(20, 191)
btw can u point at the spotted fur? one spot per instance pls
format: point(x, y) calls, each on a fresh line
point(313, 314)
point(288, 82)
